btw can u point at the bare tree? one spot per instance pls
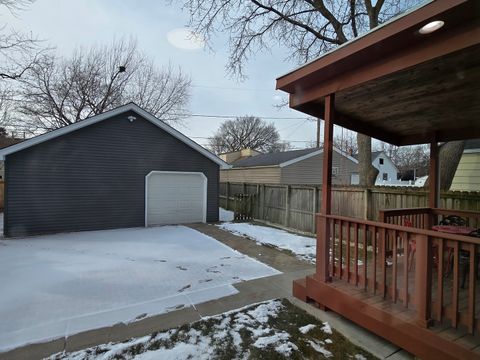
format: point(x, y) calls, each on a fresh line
point(411, 161)
point(18, 51)
point(307, 27)
point(61, 91)
point(247, 132)
point(347, 142)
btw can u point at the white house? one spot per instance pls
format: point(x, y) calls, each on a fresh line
point(387, 171)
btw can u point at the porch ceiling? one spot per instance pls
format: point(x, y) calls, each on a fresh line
point(401, 87)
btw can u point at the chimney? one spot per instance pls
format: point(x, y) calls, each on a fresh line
point(235, 155)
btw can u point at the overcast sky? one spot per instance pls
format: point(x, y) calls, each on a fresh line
point(68, 24)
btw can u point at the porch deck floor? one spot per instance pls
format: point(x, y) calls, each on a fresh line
point(459, 335)
point(349, 299)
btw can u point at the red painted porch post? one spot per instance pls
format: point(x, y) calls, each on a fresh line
point(323, 232)
point(434, 181)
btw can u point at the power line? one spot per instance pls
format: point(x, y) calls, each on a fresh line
point(209, 137)
point(232, 88)
point(237, 116)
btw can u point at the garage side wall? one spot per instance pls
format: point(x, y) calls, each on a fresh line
point(94, 178)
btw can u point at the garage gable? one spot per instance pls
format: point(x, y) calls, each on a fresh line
point(107, 115)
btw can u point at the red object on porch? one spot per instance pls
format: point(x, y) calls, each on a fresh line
point(452, 229)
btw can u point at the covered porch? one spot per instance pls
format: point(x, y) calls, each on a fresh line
point(400, 277)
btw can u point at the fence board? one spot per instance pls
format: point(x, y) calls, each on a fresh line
point(270, 202)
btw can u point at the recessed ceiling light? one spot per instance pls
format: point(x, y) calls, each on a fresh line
point(431, 27)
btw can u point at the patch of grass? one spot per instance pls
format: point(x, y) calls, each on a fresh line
point(248, 334)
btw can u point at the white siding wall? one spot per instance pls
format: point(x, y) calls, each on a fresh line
point(387, 168)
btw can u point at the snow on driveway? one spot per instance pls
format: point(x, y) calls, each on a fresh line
point(302, 246)
point(57, 285)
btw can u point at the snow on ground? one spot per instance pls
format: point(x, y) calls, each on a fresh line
point(267, 330)
point(302, 246)
point(197, 344)
point(225, 215)
point(57, 285)
point(305, 329)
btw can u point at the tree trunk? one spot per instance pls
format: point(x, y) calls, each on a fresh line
point(367, 172)
point(450, 155)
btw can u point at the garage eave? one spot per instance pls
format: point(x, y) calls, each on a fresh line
point(107, 115)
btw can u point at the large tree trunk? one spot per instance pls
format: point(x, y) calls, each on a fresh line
point(450, 155)
point(367, 172)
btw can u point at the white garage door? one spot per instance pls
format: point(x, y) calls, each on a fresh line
point(175, 198)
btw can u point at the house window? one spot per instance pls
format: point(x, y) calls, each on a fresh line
point(380, 161)
point(335, 170)
point(385, 176)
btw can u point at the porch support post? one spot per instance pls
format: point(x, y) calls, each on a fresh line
point(434, 176)
point(323, 231)
point(423, 280)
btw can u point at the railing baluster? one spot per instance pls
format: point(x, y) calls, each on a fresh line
point(394, 267)
point(332, 262)
point(374, 259)
point(440, 276)
point(455, 285)
point(383, 260)
point(355, 240)
point(348, 251)
point(365, 282)
point(340, 250)
point(405, 268)
point(471, 289)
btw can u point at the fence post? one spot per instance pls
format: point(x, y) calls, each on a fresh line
point(314, 209)
point(244, 188)
point(287, 205)
point(228, 196)
point(423, 279)
point(262, 202)
point(367, 202)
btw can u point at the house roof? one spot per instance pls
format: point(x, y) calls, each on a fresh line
point(397, 85)
point(273, 158)
point(284, 158)
point(107, 115)
point(472, 144)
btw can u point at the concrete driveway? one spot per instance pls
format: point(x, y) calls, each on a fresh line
point(58, 285)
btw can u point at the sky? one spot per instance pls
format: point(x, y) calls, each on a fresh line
point(68, 24)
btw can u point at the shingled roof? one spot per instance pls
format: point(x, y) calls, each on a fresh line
point(273, 159)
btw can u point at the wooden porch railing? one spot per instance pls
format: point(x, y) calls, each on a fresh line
point(425, 218)
point(375, 256)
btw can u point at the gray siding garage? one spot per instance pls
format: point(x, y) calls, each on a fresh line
point(92, 175)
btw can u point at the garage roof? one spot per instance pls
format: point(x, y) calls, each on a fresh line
point(107, 115)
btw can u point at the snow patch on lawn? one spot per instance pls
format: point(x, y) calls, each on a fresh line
point(193, 344)
point(225, 215)
point(58, 285)
point(319, 348)
point(302, 246)
point(305, 329)
point(326, 328)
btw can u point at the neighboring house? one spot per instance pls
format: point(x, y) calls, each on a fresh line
point(4, 142)
point(122, 168)
point(387, 171)
point(290, 167)
point(467, 176)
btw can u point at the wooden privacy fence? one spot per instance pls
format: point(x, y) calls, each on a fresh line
point(295, 206)
point(243, 206)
